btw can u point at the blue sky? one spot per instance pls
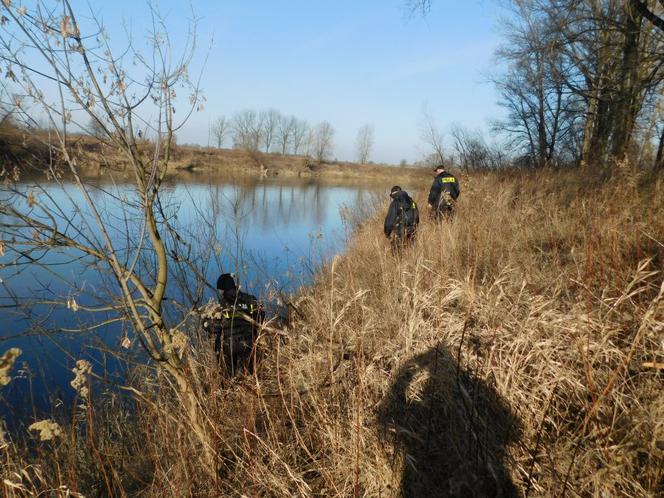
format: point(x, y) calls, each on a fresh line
point(348, 62)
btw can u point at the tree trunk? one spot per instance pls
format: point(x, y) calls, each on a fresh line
point(551, 147)
point(601, 131)
point(659, 160)
point(541, 118)
point(626, 105)
point(588, 130)
point(602, 80)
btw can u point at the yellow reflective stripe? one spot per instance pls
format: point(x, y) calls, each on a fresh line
point(414, 206)
point(232, 315)
point(447, 179)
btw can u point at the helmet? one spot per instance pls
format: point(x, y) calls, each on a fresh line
point(226, 282)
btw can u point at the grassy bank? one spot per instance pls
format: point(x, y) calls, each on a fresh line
point(212, 161)
point(187, 162)
point(507, 352)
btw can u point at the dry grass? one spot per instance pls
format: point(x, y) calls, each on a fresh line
point(189, 162)
point(501, 355)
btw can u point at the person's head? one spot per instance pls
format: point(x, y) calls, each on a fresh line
point(394, 190)
point(226, 283)
point(439, 168)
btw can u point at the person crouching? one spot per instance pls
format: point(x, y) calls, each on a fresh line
point(402, 218)
point(234, 324)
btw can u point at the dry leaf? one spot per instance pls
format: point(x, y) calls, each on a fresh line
point(64, 26)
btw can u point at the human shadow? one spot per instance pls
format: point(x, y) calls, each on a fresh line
point(451, 427)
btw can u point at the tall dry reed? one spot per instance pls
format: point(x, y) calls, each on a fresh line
point(513, 351)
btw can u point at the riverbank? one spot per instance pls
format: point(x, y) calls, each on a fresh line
point(509, 352)
point(506, 351)
point(234, 162)
point(97, 159)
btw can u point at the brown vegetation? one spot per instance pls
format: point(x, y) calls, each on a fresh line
point(18, 147)
point(100, 158)
point(508, 350)
point(226, 162)
point(238, 162)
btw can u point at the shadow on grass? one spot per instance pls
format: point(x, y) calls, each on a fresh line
point(451, 427)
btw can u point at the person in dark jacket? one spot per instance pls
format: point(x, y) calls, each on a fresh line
point(444, 192)
point(234, 325)
point(402, 218)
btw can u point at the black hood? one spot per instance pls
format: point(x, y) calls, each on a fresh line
point(401, 196)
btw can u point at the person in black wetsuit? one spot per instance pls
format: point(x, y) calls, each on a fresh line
point(234, 324)
point(444, 192)
point(402, 218)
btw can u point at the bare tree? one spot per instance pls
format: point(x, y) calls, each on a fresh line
point(68, 75)
point(269, 122)
point(659, 158)
point(96, 129)
point(541, 110)
point(579, 77)
point(643, 9)
point(285, 130)
point(299, 136)
point(252, 131)
point(420, 7)
point(247, 130)
point(658, 121)
point(472, 151)
point(364, 143)
point(220, 129)
point(583, 69)
point(430, 135)
point(322, 137)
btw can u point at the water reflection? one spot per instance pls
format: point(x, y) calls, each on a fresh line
point(271, 233)
point(283, 227)
point(271, 203)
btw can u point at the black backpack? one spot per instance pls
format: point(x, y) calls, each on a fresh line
point(406, 215)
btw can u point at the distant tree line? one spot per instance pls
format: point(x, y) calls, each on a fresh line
point(274, 132)
point(584, 81)
point(469, 151)
point(582, 85)
point(271, 131)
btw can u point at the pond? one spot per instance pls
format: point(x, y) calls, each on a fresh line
point(271, 233)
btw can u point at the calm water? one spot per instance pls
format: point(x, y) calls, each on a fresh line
point(272, 234)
